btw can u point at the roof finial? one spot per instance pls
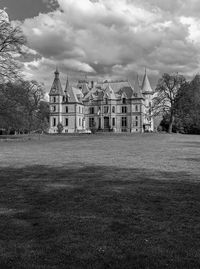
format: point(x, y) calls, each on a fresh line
point(56, 73)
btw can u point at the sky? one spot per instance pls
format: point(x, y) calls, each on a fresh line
point(107, 39)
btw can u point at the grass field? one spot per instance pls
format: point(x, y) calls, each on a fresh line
point(97, 201)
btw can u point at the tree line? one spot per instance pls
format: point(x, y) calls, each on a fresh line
point(178, 101)
point(22, 105)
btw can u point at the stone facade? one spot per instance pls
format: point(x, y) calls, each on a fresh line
point(115, 106)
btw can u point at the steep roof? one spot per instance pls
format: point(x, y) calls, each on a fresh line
point(146, 86)
point(74, 95)
point(114, 90)
point(56, 88)
point(118, 85)
point(137, 88)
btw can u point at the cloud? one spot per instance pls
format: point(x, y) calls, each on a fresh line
point(51, 4)
point(115, 37)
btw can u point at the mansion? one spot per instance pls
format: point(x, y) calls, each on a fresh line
point(115, 106)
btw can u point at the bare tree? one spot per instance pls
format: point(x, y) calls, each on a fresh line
point(11, 42)
point(165, 97)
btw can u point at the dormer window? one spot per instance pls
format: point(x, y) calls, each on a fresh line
point(106, 100)
point(123, 100)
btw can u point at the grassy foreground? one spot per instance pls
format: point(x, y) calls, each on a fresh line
point(97, 201)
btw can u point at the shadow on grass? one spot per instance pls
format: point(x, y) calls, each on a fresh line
point(98, 217)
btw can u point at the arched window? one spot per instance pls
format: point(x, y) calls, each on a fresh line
point(113, 109)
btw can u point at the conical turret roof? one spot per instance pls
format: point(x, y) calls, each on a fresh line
point(56, 88)
point(137, 87)
point(146, 86)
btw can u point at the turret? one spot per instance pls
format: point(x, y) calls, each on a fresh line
point(146, 87)
point(56, 95)
point(148, 93)
point(56, 88)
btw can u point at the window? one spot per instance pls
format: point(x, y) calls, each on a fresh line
point(91, 110)
point(63, 98)
point(124, 109)
point(66, 109)
point(113, 109)
point(124, 122)
point(91, 122)
point(54, 122)
point(136, 121)
point(54, 99)
point(136, 108)
point(113, 122)
point(106, 108)
point(79, 121)
point(66, 122)
point(53, 108)
point(79, 109)
point(99, 111)
point(123, 100)
point(106, 101)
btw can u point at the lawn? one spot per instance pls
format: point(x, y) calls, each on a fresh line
point(100, 201)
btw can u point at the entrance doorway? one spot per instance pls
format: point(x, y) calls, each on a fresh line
point(106, 123)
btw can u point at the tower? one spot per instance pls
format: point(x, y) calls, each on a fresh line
point(56, 96)
point(148, 95)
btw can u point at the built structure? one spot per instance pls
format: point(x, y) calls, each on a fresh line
point(116, 106)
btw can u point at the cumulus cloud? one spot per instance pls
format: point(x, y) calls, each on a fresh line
point(115, 37)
